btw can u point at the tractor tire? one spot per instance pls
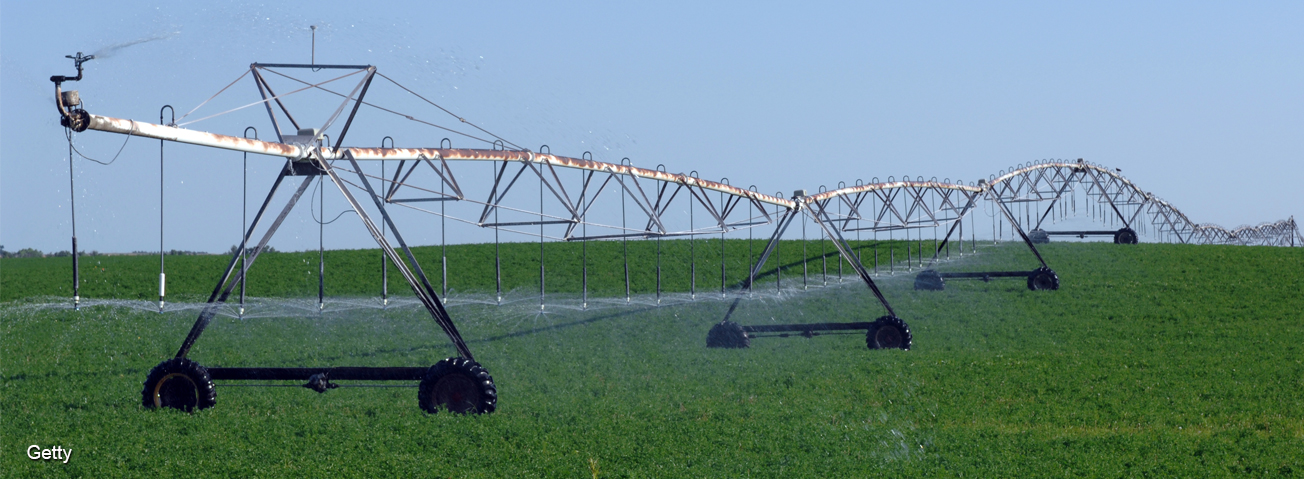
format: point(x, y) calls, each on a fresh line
point(459, 385)
point(929, 280)
point(1038, 236)
point(889, 332)
point(1125, 236)
point(727, 334)
point(1043, 279)
point(179, 383)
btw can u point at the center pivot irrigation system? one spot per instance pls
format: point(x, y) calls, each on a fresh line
point(459, 383)
point(508, 188)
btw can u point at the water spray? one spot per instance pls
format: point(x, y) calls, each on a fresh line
point(886, 332)
point(460, 383)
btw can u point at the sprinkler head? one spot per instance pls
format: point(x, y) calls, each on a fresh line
point(79, 59)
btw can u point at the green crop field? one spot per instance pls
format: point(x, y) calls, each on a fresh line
point(1151, 360)
point(471, 268)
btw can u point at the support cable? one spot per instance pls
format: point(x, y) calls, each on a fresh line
point(68, 133)
point(205, 102)
point(387, 110)
point(260, 102)
point(463, 120)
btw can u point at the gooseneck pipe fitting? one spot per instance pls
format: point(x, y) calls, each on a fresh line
point(78, 119)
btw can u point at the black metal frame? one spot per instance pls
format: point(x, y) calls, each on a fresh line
point(986, 275)
point(1079, 234)
point(805, 330)
point(1124, 235)
point(821, 217)
point(1039, 235)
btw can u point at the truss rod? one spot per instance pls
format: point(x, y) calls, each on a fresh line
point(844, 249)
point(427, 295)
point(224, 285)
point(784, 221)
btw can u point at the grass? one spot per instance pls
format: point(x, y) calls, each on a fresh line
point(1151, 360)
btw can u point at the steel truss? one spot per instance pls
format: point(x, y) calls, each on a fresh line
point(904, 205)
point(311, 165)
point(1172, 223)
point(891, 206)
point(652, 192)
point(1050, 183)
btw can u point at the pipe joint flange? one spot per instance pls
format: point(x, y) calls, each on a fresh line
point(76, 120)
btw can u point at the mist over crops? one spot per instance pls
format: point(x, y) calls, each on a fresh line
point(1150, 359)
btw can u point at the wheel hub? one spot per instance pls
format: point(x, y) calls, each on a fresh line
point(888, 337)
point(177, 391)
point(456, 392)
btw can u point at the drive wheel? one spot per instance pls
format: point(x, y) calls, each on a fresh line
point(727, 334)
point(1043, 279)
point(459, 385)
point(179, 383)
point(1125, 236)
point(929, 280)
point(1038, 236)
point(889, 332)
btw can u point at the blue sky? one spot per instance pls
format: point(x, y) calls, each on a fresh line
point(1199, 103)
